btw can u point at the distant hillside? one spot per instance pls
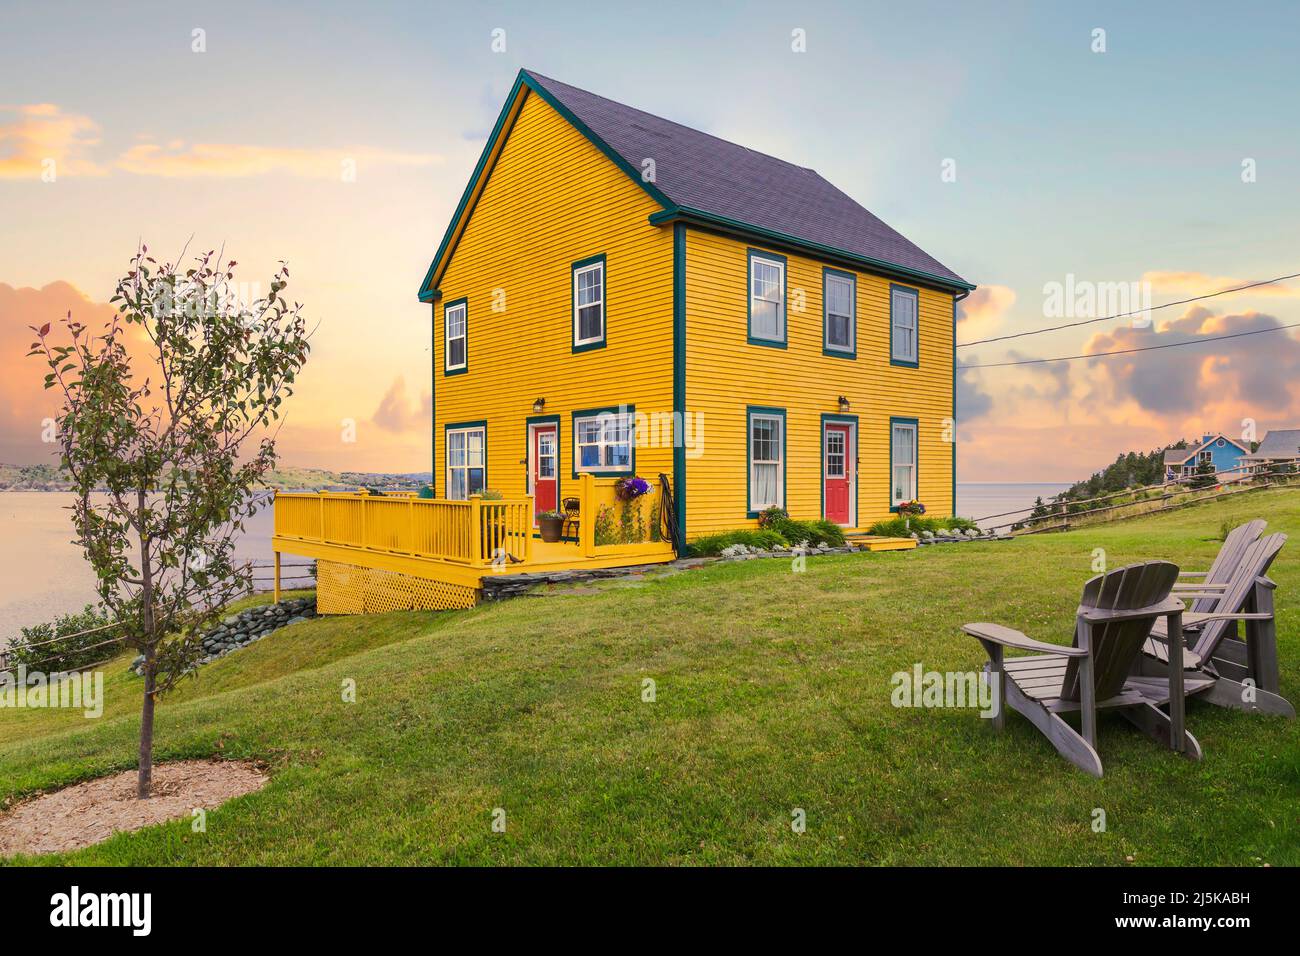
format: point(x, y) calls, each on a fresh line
point(1132, 470)
point(48, 478)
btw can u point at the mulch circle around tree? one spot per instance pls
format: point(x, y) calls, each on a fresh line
point(87, 813)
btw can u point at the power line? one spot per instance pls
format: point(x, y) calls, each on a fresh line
point(1145, 348)
point(1123, 315)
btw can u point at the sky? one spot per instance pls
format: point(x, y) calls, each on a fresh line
point(1013, 141)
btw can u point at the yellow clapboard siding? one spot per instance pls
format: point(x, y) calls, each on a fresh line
point(724, 374)
point(553, 198)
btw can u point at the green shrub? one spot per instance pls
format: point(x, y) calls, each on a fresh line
point(898, 527)
point(41, 648)
point(828, 532)
point(710, 546)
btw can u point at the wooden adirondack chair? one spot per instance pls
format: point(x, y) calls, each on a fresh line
point(1225, 565)
point(1113, 621)
point(1212, 648)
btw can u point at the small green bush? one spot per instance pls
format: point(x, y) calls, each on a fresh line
point(56, 646)
point(898, 527)
point(710, 546)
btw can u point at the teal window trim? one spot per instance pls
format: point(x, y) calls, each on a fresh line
point(916, 450)
point(630, 411)
point(574, 269)
point(778, 259)
point(750, 412)
point(446, 342)
point(838, 351)
point(446, 456)
point(916, 330)
point(821, 443)
point(529, 422)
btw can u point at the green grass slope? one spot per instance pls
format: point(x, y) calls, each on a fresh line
point(772, 692)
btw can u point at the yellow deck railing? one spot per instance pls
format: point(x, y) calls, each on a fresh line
point(473, 532)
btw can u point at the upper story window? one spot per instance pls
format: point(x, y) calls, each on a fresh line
point(902, 461)
point(839, 292)
point(589, 304)
point(603, 441)
point(456, 322)
point(766, 459)
point(902, 325)
point(766, 299)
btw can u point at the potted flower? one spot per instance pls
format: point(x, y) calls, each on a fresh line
point(910, 510)
point(627, 489)
point(551, 525)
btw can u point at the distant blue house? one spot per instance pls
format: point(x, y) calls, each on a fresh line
point(1219, 450)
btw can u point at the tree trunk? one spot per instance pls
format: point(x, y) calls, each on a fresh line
point(144, 780)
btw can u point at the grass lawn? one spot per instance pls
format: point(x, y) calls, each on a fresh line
point(772, 693)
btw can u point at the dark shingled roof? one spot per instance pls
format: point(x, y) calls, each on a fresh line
point(701, 172)
point(1279, 443)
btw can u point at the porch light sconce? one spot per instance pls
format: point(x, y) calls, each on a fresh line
point(844, 404)
point(538, 405)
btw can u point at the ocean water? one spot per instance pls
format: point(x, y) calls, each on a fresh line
point(43, 574)
point(982, 500)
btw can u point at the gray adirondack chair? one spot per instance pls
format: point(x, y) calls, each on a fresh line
point(1225, 565)
point(1211, 648)
point(1113, 621)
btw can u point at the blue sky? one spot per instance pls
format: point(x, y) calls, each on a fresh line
point(1110, 166)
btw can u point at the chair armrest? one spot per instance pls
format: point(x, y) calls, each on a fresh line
point(1184, 595)
point(1192, 574)
point(1009, 637)
point(1199, 586)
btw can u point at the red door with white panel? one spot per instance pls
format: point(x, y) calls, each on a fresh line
point(544, 463)
point(837, 447)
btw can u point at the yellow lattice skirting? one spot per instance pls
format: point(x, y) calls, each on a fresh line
point(349, 589)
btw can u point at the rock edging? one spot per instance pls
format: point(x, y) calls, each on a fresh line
point(239, 630)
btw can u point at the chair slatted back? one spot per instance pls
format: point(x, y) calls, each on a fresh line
point(1115, 644)
point(1229, 558)
point(1255, 562)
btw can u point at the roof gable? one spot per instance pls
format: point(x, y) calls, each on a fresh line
point(719, 183)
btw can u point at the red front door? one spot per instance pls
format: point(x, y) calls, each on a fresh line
point(544, 462)
point(836, 468)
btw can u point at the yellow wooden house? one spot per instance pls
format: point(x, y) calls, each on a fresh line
point(619, 295)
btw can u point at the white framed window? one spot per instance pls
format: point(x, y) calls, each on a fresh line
point(589, 303)
point(839, 292)
point(836, 457)
point(1204, 456)
point(603, 442)
point(456, 323)
point(902, 325)
point(466, 461)
point(902, 462)
point(766, 298)
point(766, 460)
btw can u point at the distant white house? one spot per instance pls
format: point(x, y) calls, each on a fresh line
point(1279, 447)
point(1218, 449)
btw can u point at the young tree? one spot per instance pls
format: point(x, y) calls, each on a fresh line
point(157, 409)
point(1204, 476)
